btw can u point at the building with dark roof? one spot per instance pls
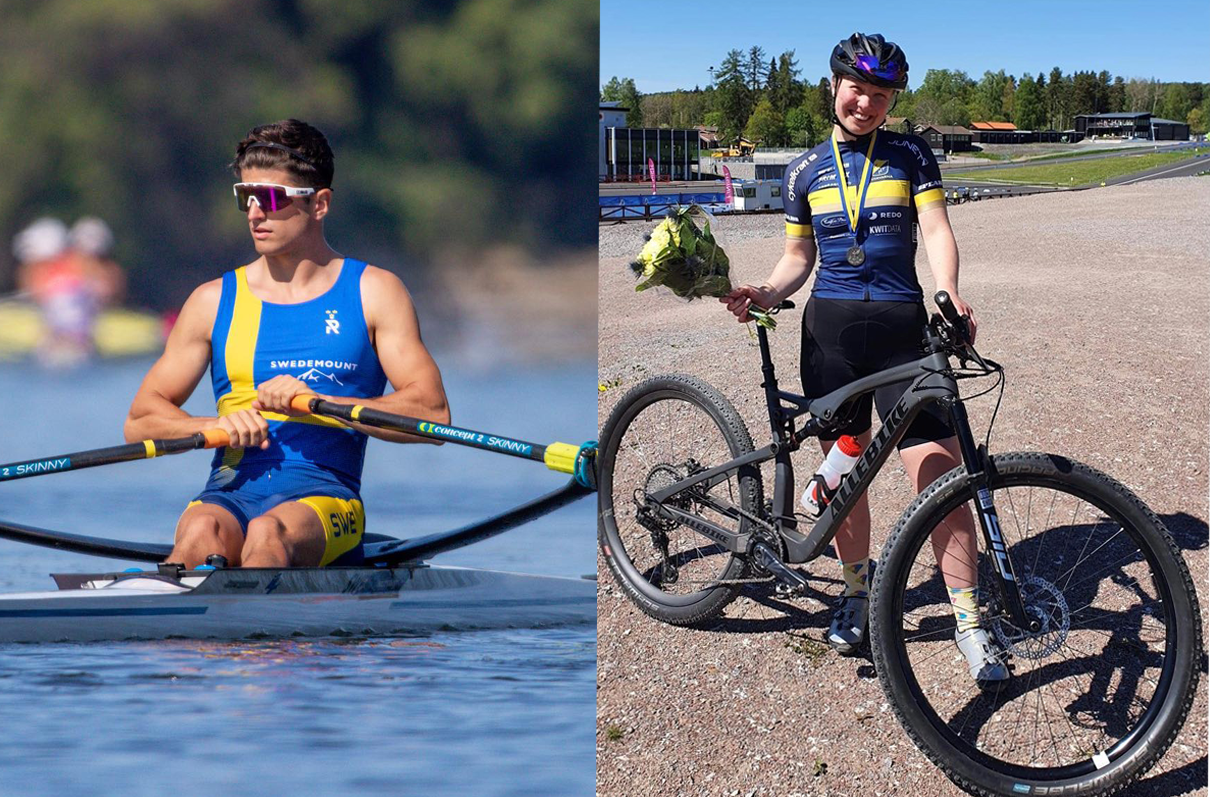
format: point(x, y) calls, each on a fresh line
point(625, 152)
point(1131, 125)
point(946, 138)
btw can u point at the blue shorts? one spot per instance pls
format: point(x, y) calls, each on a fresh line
point(339, 508)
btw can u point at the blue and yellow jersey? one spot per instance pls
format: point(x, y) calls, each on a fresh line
point(905, 182)
point(324, 342)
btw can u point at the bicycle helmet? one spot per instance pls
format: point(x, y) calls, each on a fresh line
point(871, 59)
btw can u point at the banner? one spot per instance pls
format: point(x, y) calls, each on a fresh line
point(651, 171)
point(728, 192)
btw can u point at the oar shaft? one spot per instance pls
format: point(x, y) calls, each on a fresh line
point(556, 456)
point(211, 438)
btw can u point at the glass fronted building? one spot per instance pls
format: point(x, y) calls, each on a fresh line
point(674, 152)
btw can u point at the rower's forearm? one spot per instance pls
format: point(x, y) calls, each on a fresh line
point(155, 419)
point(430, 408)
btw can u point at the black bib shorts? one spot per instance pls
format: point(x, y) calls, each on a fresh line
point(846, 339)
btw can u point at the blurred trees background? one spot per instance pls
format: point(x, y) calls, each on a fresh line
point(763, 99)
point(456, 125)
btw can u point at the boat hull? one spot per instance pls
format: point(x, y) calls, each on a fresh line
point(243, 604)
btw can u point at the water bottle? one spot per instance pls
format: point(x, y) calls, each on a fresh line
point(840, 460)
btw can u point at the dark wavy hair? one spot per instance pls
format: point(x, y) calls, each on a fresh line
point(295, 146)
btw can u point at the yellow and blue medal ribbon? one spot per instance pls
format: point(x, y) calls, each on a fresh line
point(852, 209)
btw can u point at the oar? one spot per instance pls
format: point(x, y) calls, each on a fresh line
point(211, 438)
point(561, 457)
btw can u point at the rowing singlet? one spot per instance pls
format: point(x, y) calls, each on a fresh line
point(325, 343)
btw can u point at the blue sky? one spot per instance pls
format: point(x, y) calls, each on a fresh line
point(669, 44)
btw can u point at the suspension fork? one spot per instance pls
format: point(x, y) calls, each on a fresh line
point(977, 464)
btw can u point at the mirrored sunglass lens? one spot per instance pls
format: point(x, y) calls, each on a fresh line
point(268, 198)
point(868, 63)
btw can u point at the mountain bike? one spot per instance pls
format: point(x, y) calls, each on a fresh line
point(1080, 585)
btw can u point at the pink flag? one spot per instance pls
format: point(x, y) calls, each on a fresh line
point(651, 171)
point(728, 191)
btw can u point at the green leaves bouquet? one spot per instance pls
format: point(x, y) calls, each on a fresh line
point(687, 260)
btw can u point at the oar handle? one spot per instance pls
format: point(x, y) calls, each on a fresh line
point(215, 438)
point(561, 457)
point(144, 449)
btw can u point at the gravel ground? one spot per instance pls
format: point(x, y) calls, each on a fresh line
point(1098, 305)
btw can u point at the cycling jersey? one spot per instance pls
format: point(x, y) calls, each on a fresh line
point(905, 181)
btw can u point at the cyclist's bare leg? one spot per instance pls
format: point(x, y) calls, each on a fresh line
point(954, 541)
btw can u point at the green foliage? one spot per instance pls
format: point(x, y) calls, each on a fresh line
point(766, 126)
point(439, 114)
point(625, 92)
point(732, 97)
point(802, 128)
point(1029, 112)
point(783, 87)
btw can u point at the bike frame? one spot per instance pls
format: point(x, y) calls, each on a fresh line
point(933, 380)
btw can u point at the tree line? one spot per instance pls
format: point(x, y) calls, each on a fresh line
point(763, 99)
point(456, 125)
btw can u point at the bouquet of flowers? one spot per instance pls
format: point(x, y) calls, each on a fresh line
point(687, 260)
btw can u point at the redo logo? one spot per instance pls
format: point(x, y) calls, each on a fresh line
point(331, 325)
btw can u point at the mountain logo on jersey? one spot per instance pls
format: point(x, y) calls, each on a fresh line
point(316, 375)
point(332, 326)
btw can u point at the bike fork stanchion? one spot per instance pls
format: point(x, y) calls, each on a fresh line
point(989, 520)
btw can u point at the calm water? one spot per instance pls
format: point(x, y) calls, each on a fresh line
point(489, 713)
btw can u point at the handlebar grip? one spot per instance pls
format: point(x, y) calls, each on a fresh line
point(946, 306)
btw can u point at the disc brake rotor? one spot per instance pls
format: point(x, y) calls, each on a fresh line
point(1046, 604)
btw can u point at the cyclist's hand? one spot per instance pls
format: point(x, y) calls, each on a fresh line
point(965, 309)
point(740, 298)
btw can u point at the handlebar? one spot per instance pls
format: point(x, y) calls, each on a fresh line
point(960, 326)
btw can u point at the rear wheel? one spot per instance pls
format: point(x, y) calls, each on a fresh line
point(1099, 691)
point(663, 430)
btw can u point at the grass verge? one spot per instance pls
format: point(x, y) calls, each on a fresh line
point(1082, 173)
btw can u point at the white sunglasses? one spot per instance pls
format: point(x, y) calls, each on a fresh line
point(268, 196)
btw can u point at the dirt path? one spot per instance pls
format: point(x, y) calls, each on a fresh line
point(1098, 305)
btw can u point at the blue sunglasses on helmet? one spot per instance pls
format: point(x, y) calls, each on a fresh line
point(869, 64)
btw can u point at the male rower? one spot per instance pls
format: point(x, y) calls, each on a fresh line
point(299, 320)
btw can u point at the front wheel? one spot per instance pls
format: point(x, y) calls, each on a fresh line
point(1099, 690)
point(661, 431)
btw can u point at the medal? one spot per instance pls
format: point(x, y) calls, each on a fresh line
point(853, 205)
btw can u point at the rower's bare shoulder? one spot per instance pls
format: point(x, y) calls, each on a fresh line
point(383, 290)
point(201, 308)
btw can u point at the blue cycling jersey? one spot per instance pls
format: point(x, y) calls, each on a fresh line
point(906, 181)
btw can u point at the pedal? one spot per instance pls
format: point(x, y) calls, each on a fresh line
point(789, 582)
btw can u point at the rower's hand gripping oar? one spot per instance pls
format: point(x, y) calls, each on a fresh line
point(561, 457)
point(147, 449)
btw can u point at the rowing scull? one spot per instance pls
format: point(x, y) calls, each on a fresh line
point(391, 591)
point(241, 603)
